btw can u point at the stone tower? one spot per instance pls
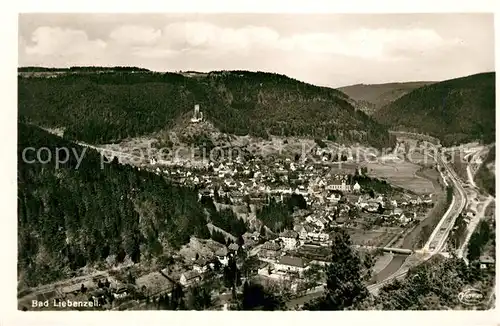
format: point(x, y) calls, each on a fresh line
point(198, 116)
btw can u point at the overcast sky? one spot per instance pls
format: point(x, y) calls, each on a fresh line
point(330, 49)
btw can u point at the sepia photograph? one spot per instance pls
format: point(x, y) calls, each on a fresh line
point(255, 162)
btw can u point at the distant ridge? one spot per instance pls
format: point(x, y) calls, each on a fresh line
point(371, 97)
point(455, 111)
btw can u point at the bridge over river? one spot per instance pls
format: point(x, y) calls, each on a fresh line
point(391, 250)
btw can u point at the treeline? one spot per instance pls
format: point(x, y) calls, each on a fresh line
point(79, 68)
point(69, 217)
point(110, 106)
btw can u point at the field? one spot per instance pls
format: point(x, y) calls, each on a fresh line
point(417, 236)
point(459, 165)
point(373, 237)
point(421, 159)
point(432, 175)
point(402, 174)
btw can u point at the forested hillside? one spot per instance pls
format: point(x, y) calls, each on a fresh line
point(371, 97)
point(69, 217)
point(110, 106)
point(455, 111)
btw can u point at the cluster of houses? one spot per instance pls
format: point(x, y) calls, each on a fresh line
point(290, 240)
point(283, 255)
point(391, 211)
point(240, 183)
point(256, 177)
point(221, 255)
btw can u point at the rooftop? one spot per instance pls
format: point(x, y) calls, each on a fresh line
point(289, 234)
point(292, 261)
point(200, 261)
point(221, 252)
point(189, 275)
point(233, 246)
point(271, 246)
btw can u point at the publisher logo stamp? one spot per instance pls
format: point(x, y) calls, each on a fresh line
point(470, 297)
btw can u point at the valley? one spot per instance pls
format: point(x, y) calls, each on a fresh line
point(187, 208)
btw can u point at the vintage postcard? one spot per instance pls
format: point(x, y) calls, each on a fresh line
point(255, 162)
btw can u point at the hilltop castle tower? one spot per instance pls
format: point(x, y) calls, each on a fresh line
point(197, 116)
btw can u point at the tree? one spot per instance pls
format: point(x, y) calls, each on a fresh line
point(263, 231)
point(177, 298)
point(218, 236)
point(255, 297)
point(371, 193)
point(247, 200)
point(344, 286)
point(368, 264)
point(200, 297)
point(231, 274)
point(240, 241)
point(296, 200)
point(164, 302)
point(250, 265)
point(130, 278)
point(320, 143)
point(313, 275)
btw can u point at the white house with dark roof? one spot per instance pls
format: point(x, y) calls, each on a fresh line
point(290, 239)
point(222, 255)
point(233, 247)
point(340, 185)
point(291, 264)
point(269, 250)
point(200, 265)
point(301, 230)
